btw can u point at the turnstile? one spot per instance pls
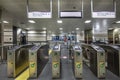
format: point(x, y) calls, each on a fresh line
point(113, 58)
point(33, 61)
point(77, 61)
point(17, 60)
point(56, 62)
point(38, 57)
point(97, 60)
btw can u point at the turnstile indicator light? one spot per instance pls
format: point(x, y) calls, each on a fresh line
point(55, 65)
point(10, 53)
point(32, 65)
point(55, 54)
point(101, 54)
point(102, 64)
point(78, 65)
point(32, 53)
point(78, 53)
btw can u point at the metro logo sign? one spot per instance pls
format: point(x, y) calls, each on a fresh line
point(103, 15)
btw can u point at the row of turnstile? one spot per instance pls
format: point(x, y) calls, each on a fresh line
point(102, 57)
point(27, 56)
point(97, 57)
point(77, 61)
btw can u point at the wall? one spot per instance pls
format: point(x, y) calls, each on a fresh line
point(36, 35)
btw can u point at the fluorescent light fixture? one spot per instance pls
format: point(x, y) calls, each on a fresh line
point(5, 22)
point(88, 21)
point(31, 21)
point(77, 28)
point(44, 28)
point(118, 22)
point(59, 21)
point(60, 28)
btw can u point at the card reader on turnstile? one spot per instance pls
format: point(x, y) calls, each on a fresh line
point(56, 62)
point(78, 66)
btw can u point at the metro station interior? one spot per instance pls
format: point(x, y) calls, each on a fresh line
point(59, 40)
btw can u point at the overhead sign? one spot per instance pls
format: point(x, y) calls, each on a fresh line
point(103, 15)
point(70, 14)
point(39, 15)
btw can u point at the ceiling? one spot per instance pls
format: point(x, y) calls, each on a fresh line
point(18, 11)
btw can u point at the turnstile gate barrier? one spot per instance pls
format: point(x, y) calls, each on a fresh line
point(17, 60)
point(113, 58)
point(38, 58)
point(77, 64)
point(96, 60)
point(56, 62)
point(33, 61)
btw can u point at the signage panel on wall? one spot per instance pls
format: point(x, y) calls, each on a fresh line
point(70, 14)
point(107, 10)
point(39, 8)
point(39, 15)
point(103, 14)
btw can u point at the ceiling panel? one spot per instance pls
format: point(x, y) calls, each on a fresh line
point(39, 5)
point(18, 10)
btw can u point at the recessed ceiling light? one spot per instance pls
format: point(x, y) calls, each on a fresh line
point(118, 22)
point(59, 21)
point(88, 21)
point(5, 22)
point(77, 28)
point(44, 28)
point(60, 28)
point(31, 21)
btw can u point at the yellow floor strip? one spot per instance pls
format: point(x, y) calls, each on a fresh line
point(24, 75)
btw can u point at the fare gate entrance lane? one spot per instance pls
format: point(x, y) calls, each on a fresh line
point(67, 72)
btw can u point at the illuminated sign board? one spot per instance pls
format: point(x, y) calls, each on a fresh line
point(39, 15)
point(70, 14)
point(103, 15)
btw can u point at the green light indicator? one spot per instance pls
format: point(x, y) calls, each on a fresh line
point(32, 65)
point(78, 66)
point(102, 65)
point(55, 65)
